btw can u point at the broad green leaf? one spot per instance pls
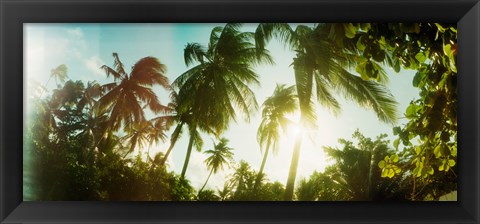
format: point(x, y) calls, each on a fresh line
point(451, 162)
point(417, 79)
point(396, 66)
point(381, 164)
point(453, 150)
point(350, 30)
point(418, 150)
point(444, 79)
point(396, 142)
point(390, 173)
point(360, 45)
point(419, 171)
point(416, 171)
point(420, 56)
point(411, 111)
point(365, 26)
point(438, 151)
point(394, 158)
point(442, 166)
point(396, 130)
point(447, 49)
point(397, 169)
point(361, 69)
point(430, 170)
point(370, 70)
point(384, 173)
point(440, 27)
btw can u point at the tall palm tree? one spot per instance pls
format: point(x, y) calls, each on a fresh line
point(324, 67)
point(182, 117)
point(95, 120)
point(274, 119)
point(220, 156)
point(217, 87)
point(130, 93)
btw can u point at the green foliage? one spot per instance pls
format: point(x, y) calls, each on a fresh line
point(389, 169)
point(322, 68)
point(354, 176)
point(217, 88)
point(79, 136)
point(241, 186)
point(275, 110)
point(207, 195)
point(74, 156)
point(429, 136)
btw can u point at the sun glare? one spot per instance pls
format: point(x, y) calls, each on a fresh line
point(294, 129)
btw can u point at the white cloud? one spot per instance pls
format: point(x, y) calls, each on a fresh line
point(77, 42)
point(77, 32)
point(93, 64)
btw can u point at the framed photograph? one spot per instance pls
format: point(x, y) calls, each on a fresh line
point(239, 112)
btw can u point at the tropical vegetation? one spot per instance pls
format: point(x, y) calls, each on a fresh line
point(94, 141)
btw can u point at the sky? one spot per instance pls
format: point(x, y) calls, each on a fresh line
point(84, 48)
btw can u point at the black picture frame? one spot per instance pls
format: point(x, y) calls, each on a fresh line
point(13, 13)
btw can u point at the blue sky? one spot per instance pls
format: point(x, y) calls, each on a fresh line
point(86, 47)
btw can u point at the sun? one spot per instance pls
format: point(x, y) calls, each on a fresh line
point(294, 126)
point(294, 129)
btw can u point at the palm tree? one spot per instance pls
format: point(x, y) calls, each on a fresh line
point(95, 120)
point(274, 119)
point(226, 192)
point(324, 67)
point(355, 176)
point(130, 93)
point(214, 90)
point(146, 132)
point(241, 176)
point(182, 117)
point(220, 156)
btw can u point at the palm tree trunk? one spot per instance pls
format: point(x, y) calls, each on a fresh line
point(293, 168)
point(187, 157)
point(173, 141)
point(370, 174)
point(304, 103)
point(259, 175)
point(206, 181)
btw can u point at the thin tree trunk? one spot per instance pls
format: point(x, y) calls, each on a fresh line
point(205, 184)
point(259, 175)
point(293, 168)
point(187, 157)
point(173, 141)
point(370, 174)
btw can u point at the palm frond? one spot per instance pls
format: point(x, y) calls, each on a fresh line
point(110, 71)
point(324, 96)
point(119, 67)
point(194, 52)
point(149, 71)
point(368, 94)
